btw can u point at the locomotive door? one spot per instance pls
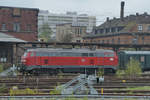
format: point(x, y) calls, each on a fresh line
point(147, 62)
point(92, 59)
point(38, 59)
point(100, 58)
point(32, 58)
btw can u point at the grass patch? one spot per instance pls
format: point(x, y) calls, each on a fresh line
point(3, 88)
point(26, 91)
point(139, 88)
point(133, 70)
point(1, 68)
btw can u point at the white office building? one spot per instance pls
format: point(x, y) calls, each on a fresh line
point(70, 17)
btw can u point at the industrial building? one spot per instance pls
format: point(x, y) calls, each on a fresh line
point(132, 29)
point(53, 19)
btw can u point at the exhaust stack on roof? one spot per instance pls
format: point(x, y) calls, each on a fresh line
point(122, 10)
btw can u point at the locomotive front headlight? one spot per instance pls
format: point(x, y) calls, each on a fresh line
point(111, 59)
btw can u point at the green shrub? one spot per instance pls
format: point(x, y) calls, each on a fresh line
point(1, 68)
point(100, 72)
point(60, 74)
point(120, 73)
point(129, 99)
point(3, 88)
point(133, 68)
point(57, 90)
point(53, 99)
point(70, 98)
point(15, 91)
point(6, 66)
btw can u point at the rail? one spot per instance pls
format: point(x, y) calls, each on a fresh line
point(75, 96)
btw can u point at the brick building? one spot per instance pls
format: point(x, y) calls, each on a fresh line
point(76, 31)
point(19, 22)
point(132, 29)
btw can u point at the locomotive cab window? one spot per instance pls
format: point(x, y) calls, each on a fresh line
point(99, 55)
point(85, 54)
point(51, 54)
point(32, 54)
point(38, 54)
point(91, 54)
point(108, 54)
point(45, 54)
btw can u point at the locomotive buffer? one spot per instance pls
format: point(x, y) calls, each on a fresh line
point(82, 84)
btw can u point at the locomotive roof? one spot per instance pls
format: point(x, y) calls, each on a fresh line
point(69, 50)
point(137, 52)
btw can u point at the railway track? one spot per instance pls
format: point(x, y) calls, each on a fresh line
point(45, 84)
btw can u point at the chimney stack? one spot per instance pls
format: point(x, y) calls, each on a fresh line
point(107, 19)
point(122, 10)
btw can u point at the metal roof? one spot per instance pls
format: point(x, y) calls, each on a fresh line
point(69, 50)
point(137, 52)
point(8, 38)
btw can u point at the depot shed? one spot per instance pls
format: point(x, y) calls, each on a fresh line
point(8, 49)
point(142, 56)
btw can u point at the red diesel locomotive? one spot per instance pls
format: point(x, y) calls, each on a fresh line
point(52, 61)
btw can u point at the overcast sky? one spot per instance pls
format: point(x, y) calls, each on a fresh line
point(99, 8)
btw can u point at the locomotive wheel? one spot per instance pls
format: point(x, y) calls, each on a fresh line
point(35, 72)
point(43, 71)
point(90, 71)
point(109, 71)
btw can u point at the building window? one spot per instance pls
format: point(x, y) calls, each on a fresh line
point(143, 39)
point(16, 27)
point(107, 30)
point(112, 41)
point(142, 59)
point(3, 60)
point(78, 41)
point(3, 28)
point(95, 31)
point(118, 40)
point(140, 27)
point(119, 28)
point(148, 28)
point(16, 12)
point(107, 41)
point(3, 56)
point(103, 41)
point(102, 31)
point(29, 28)
point(76, 31)
point(80, 31)
point(113, 29)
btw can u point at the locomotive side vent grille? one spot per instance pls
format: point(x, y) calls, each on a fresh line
point(46, 61)
point(91, 61)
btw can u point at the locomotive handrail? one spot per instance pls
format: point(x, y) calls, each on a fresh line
point(80, 86)
point(72, 81)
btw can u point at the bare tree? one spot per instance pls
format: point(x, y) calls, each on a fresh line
point(66, 38)
point(45, 32)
